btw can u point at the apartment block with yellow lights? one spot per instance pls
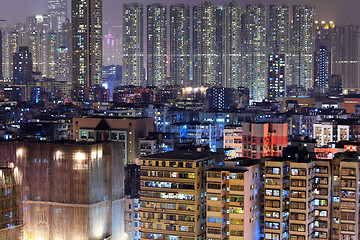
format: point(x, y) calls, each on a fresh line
point(233, 200)
point(297, 199)
point(173, 196)
point(345, 196)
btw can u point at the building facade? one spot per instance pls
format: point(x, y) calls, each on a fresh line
point(133, 50)
point(303, 45)
point(180, 44)
point(205, 49)
point(233, 200)
point(86, 22)
point(156, 44)
point(172, 194)
point(11, 219)
point(276, 76)
point(118, 129)
point(255, 51)
point(263, 139)
point(23, 66)
point(231, 45)
point(70, 190)
point(57, 11)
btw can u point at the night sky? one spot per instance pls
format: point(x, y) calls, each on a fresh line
point(341, 11)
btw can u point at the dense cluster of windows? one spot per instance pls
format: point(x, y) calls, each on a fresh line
point(272, 192)
point(272, 236)
point(298, 172)
point(272, 225)
point(273, 170)
point(297, 227)
point(272, 203)
point(272, 214)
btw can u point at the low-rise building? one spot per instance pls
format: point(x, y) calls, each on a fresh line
point(127, 130)
point(263, 139)
point(233, 140)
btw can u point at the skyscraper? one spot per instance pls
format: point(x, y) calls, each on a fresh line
point(279, 29)
point(11, 44)
point(86, 44)
point(303, 46)
point(205, 50)
point(322, 66)
point(156, 44)
point(276, 76)
point(57, 11)
point(347, 56)
point(52, 43)
point(1, 54)
point(323, 53)
point(62, 64)
point(133, 49)
point(180, 44)
point(23, 67)
point(255, 50)
point(231, 45)
point(279, 36)
point(109, 50)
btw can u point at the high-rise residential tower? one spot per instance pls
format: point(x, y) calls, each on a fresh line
point(303, 46)
point(279, 37)
point(276, 76)
point(322, 66)
point(62, 64)
point(347, 56)
point(133, 45)
point(231, 45)
point(255, 50)
point(86, 44)
point(23, 67)
point(206, 55)
point(1, 53)
point(156, 44)
point(57, 11)
point(324, 53)
point(279, 29)
point(180, 44)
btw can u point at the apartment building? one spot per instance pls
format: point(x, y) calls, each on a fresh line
point(172, 195)
point(345, 197)
point(11, 220)
point(326, 132)
point(70, 190)
point(198, 133)
point(233, 200)
point(263, 139)
point(132, 218)
point(126, 130)
point(233, 140)
point(297, 199)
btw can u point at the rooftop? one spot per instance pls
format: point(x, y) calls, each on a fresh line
point(181, 155)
